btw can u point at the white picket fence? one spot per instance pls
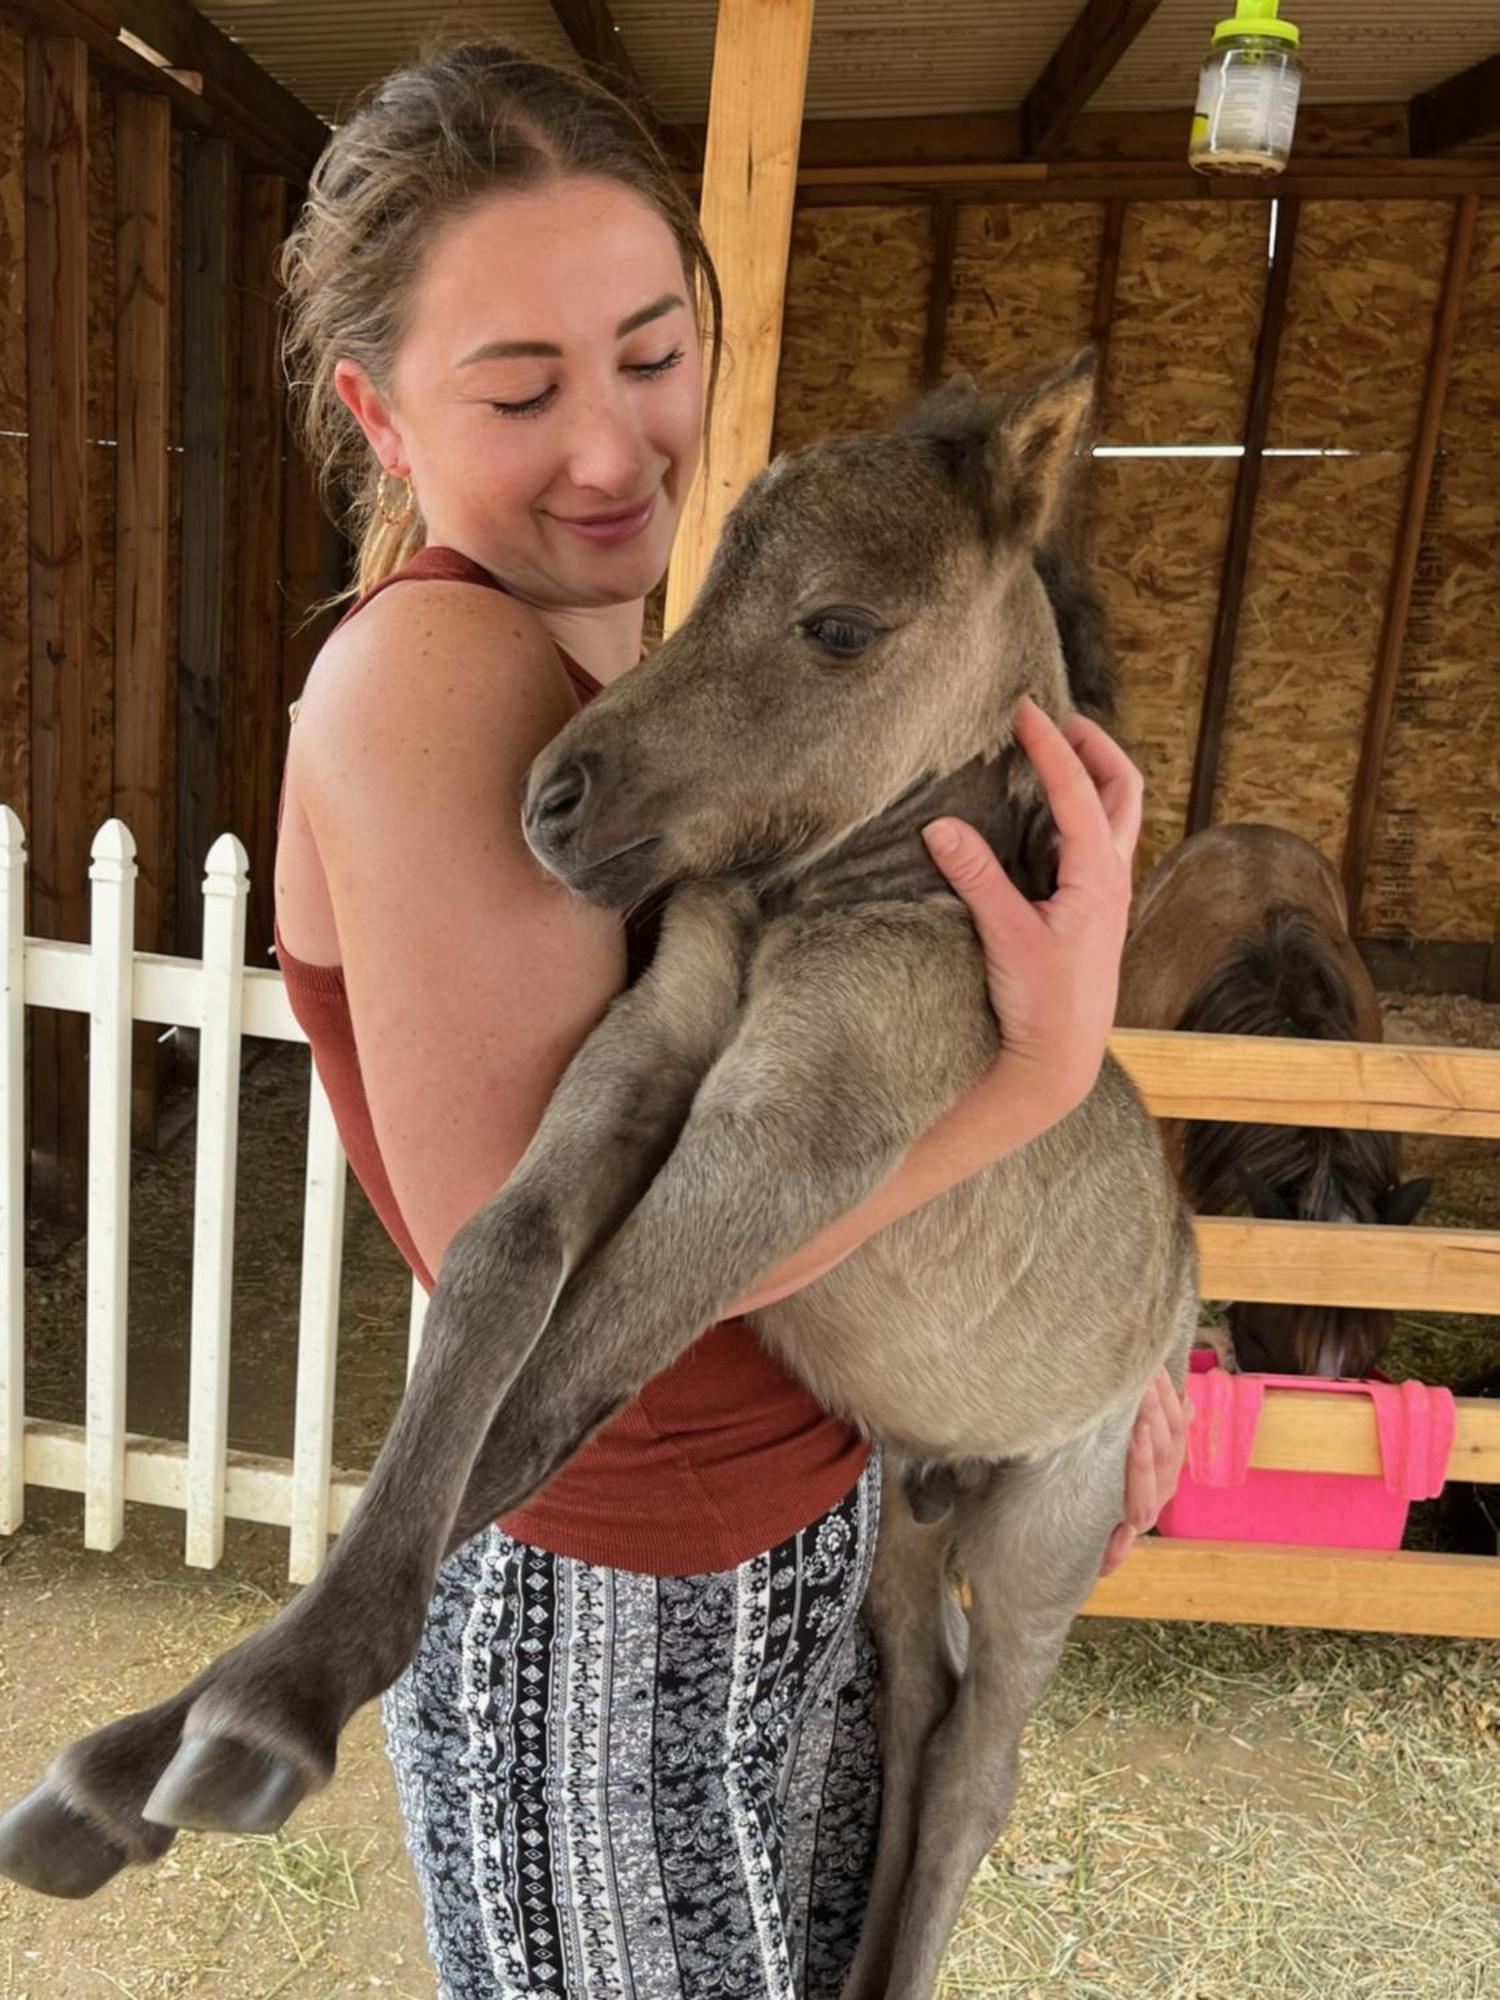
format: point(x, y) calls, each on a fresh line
point(115, 985)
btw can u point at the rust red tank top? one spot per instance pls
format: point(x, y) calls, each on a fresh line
point(723, 1455)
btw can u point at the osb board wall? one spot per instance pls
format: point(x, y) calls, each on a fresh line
point(1435, 865)
point(855, 321)
point(1187, 306)
point(1189, 299)
point(1308, 635)
point(1364, 289)
point(1159, 537)
point(1024, 278)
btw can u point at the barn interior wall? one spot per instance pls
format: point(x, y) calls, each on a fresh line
point(1186, 305)
point(1189, 295)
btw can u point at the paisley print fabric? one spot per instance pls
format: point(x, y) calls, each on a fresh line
point(618, 1786)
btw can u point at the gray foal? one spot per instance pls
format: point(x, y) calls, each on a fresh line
point(816, 1002)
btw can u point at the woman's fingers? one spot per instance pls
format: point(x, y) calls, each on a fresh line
point(1093, 788)
point(1075, 803)
point(1120, 786)
point(997, 906)
point(1153, 1464)
point(1121, 1542)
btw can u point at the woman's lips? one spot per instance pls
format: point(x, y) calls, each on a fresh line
point(605, 530)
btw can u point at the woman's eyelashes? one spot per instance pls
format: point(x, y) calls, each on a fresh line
point(646, 371)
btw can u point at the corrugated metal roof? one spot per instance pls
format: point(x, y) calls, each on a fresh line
point(1352, 51)
point(327, 51)
point(875, 58)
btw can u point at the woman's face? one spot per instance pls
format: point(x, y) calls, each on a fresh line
point(546, 400)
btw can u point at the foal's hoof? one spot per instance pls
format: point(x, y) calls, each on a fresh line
point(46, 1845)
point(217, 1785)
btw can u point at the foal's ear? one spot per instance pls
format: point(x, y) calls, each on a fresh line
point(1034, 445)
point(1401, 1204)
point(1264, 1200)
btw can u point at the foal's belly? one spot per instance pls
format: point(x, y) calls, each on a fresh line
point(1009, 1316)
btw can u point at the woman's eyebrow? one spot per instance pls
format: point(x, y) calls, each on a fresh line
point(509, 350)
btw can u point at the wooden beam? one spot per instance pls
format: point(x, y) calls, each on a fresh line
point(1099, 36)
point(1339, 1264)
point(749, 183)
point(939, 290)
point(1431, 965)
point(1311, 1430)
point(58, 591)
point(233, 82)
point(1341, 1590)
point(1360, 839)
point(590, 27)
point(1142, 180)
point(1107, 281)
point(143, 674)
point(209, 189)
point(237, 110)
point(1275, 1080)
point(1368, 131)
point(1461, 108)
point(1215, 705)
point(259, 719)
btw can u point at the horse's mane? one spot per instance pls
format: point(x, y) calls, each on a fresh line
point(1285, 981)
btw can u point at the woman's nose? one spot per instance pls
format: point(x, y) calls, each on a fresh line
point(607, 452)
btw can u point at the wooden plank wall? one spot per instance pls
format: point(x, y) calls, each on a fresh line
point(1189, 294)
point(144, 664)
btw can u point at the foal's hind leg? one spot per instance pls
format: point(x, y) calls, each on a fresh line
point(908, 1605)
point(1030, 1543)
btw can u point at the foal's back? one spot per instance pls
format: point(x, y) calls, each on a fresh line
point(1214, 894)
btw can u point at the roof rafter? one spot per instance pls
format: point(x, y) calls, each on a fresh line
point(590, 27)
point(1463, 107)
point(1084, 57)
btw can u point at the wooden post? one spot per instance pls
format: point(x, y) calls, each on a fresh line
point(1200, 809)
point(749, 183)
point(939, 289)
point(209, 183)
point(143, 673)
point(58, 588)
point(1361, 835)
point(259, 718)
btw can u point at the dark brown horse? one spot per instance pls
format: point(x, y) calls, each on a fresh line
point(1243, 930)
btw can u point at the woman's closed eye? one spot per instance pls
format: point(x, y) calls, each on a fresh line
point(646, 371)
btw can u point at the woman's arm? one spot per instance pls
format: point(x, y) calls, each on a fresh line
point(1053, 971)
point(472, 976)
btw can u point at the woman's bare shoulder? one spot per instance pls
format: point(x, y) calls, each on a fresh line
point(431, 658)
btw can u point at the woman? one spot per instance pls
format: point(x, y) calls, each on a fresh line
point(635, 1753)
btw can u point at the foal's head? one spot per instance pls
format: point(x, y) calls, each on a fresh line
point(871, 616)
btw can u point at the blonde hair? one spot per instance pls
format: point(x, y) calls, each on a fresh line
point(469, 120)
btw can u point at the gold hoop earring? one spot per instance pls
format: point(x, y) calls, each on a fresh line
point(382, 504)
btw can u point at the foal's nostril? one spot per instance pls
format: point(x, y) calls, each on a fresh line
point(560, 800)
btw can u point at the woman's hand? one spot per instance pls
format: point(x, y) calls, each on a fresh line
point(1054, 974)
point(1054, 967)
point(1158, 1446)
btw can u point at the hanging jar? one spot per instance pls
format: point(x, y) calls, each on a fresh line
point(1247, 94)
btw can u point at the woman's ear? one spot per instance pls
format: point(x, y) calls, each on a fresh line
point(373, 414)
point(1033, 447)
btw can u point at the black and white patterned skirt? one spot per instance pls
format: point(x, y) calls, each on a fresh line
point(629, 1787)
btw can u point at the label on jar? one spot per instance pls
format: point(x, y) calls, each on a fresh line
point(1257, 109)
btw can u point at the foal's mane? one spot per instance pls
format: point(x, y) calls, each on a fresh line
point(1287, 980)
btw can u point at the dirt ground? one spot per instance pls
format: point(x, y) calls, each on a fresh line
point(1206, 1814)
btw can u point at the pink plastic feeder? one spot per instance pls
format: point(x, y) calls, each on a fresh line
point(1220, 1498)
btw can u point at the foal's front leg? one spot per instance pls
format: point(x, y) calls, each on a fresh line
point(801, 1118)
point(613, 1118)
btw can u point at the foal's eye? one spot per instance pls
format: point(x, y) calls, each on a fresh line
point(842, 633)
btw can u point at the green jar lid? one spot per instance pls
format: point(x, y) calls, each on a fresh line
point(1257, 17)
